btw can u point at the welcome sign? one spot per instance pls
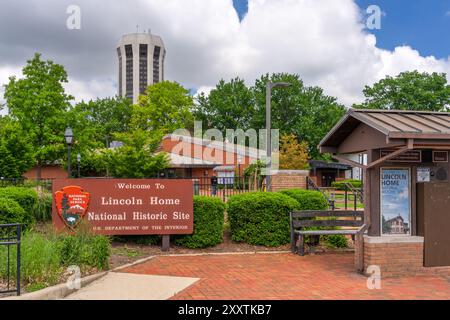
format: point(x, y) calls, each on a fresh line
point(124, 207)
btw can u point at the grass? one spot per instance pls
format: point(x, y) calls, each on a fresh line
point(45, 257)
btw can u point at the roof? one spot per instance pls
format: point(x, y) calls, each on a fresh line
point(220, 145)
point(318, 164)
point(395, 124)
point(179, 161)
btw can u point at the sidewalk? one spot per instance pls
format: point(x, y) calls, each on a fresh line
point(127, 286)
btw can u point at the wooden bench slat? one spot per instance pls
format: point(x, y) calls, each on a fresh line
point(312, 214)
point(327, 223)
point(328, 232)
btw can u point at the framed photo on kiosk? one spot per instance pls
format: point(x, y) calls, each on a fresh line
point(395, 201)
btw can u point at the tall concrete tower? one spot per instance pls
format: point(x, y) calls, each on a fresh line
point(141, 63)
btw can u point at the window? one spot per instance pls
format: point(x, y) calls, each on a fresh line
point(143, 69)
point(129, 71)
point(156, 56)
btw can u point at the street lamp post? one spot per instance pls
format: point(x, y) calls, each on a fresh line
point(68, 135)
point(269, 87)
point(78, 163)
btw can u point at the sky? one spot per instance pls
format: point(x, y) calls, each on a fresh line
point(326, 42)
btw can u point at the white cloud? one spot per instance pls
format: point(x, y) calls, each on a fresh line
point(324, 41)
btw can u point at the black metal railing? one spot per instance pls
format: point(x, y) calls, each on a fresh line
point(225, 187)
point(311, 185)
point(10, 235)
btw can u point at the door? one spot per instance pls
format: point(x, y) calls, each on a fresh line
point(328, 178)
point(434, 215)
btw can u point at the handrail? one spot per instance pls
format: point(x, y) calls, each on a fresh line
point(310, 184)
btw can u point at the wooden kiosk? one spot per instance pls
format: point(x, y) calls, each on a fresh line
point(406, 186)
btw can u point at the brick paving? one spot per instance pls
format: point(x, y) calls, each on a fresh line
point(286, 276)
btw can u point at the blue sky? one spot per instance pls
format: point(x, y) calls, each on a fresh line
point(422, 24)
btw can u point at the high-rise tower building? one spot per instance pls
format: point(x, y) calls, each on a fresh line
point(141, 63)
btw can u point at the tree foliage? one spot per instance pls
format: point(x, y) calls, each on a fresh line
point(410, 90)
point(16, 151)
point(165, 107)
point(306, 112)
point(39, 103)
point(293, 154)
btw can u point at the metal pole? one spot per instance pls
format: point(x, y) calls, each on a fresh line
point(69, 174)
point(19, 236)
point(268, 135)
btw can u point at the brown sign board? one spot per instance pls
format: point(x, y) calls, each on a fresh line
point(407, 156)
point(124, 206)
point(440, 156)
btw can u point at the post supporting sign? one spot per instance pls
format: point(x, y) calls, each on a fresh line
point(124, 207)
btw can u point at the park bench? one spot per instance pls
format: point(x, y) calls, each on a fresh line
point(351, 221)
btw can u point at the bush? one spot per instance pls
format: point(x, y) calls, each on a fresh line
point(336, 241)
point(10, 211)
point(261, 218)
point(340, 185)
point(26, 197)
point(308, 200)
point(208, 224)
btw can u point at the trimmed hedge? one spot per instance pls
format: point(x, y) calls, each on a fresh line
point(261, 218)
point(208, 224)
point(308, 200)
point(10, 211)
point(27, 198)
point(340, 185)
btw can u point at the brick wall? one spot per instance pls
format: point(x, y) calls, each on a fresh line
point(289, 179)
point(396, 256)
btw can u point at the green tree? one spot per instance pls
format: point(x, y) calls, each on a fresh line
point(39, 103)
point(16, 152)
point(100, 119)
point(229, 106)
point(293, 154)
point(138, 157)
point(410, 90)
point(306, 112)
point(165, 107)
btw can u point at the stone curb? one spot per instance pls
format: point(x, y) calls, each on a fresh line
point(57, 292)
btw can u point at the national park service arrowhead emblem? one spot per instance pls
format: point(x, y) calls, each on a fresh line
point(72, 205)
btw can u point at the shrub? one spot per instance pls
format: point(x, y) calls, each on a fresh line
point(26, 197)
point(261, 218)
point(208, 224)
point(340, 185)
point(10, 211)
point(308, 200)
point(336, 241)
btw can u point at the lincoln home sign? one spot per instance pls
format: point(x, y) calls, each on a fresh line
point(124, 207)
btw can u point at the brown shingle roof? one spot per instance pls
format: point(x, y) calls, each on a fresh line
point(394, 124)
